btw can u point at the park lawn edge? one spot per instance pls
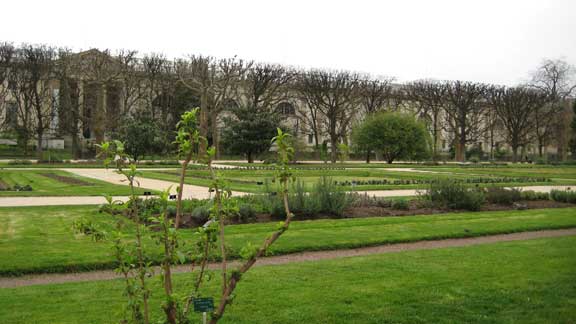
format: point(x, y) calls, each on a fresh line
point(234, 254)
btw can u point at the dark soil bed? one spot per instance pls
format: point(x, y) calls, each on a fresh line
point(359, 212)
point(66, 179)
point(415, 209)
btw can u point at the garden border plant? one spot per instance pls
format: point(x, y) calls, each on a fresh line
point(131, 253)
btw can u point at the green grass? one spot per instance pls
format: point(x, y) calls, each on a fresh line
point(553, 172)
point(45, 186)
point(40, 239)
point(247, 180)
point(513, 282)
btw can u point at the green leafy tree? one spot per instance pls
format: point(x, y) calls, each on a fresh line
point(140, 136)
point(249, 131)
point(395, 135)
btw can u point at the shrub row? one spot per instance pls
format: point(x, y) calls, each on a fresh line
point(565, 196)
point(431, 181)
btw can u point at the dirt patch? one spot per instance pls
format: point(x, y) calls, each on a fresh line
point(67, 179)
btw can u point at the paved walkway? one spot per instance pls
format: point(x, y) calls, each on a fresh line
point(44, 279)
point(190, 191)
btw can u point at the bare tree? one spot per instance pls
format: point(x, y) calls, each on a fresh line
point(556, 79)
point(335, 95)
point(70, 100)
point(216, 81)
point(428, 98)
point(99, 70)
point(375, 94)
point(465, 107)
point(132, 80)
point(31, 78)
point(6, 55)
point(516, 108)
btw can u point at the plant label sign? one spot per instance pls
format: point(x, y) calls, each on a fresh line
point(205, 304)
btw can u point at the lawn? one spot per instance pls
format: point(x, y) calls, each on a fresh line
point(553, 172)
point(40, 239)
point(253, 180)
point(513, 282)
point(58, 183)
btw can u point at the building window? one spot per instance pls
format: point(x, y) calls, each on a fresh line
point(310, 138)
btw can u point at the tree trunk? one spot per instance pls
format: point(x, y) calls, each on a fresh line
point(215, 137)
point(39, 144)
point(368, 157)
point(515, 153)
point(334, 148)
point(203, 123)
point(249, 157)
point(100, 115)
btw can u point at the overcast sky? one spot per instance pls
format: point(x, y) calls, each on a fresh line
point(496, 41)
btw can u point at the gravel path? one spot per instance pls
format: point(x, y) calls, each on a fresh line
point(44, 279)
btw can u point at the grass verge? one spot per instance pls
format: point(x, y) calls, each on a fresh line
point(41, 240)
point(513, 282)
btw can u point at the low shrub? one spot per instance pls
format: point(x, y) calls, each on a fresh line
point(201, 214)
point(401, 204)
point(565, 196)
point(533, 195)
point(455, 195)
point(19, 162)
point(246, 213)
point(503, 196)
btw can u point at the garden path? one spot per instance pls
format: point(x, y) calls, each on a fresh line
point(43, 279)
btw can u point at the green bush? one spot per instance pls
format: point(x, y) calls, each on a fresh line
point(533, 195)
point(503, 196)
point(401, 204)
point(565, 196)
point(246, 213)
point(455, 195)
point(19, 162)
point(324, 198)
point(201, 214)
point(332, 200)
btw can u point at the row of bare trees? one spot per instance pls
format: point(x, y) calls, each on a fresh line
point(98, 88)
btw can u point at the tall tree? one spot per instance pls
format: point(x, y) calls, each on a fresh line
point(555, 78)
point(375, 94)
point(464, 106)
point(70, 101)
point(335, 94)
point(99, 71)
point(216, 82)
point(516, 108)
point(32, 78)
point(427, 96)
point(6, 54)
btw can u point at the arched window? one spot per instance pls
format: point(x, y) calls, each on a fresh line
point(286, 108)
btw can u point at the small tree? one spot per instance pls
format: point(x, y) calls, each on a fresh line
point(139, 135)
point(248, 132)
point(397, 136)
